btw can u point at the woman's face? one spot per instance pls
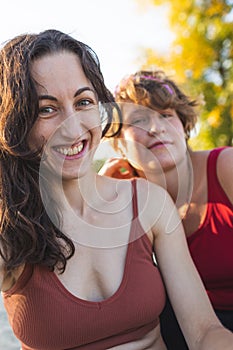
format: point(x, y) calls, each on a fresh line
point(68, 124)
point(153, 140)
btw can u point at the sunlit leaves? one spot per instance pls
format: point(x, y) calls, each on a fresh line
point(201, 58)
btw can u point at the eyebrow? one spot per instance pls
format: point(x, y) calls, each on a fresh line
point(77, 93)
point(137, 113)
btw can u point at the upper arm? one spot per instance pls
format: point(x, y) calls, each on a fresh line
point(182, 281)
point(225, 171)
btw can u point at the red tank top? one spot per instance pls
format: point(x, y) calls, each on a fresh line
point(211, 246)
point(45, 315)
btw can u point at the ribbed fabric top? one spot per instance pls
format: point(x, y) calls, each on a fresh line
point(45, 316)
point(211, 246)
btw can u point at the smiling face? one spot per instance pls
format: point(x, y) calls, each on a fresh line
point(154, 140)
point(68, 124)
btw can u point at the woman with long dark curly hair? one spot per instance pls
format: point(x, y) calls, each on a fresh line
point(76, 247)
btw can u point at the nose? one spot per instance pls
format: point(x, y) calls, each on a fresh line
point(72, 126)
point(156, 126)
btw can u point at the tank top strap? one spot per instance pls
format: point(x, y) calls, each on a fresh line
point(134, 198)
point(212, 177)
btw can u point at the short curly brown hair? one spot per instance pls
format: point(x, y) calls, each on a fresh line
point(155, 90)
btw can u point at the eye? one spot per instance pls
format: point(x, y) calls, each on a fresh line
point(166, 115)
point(46, 111)
point(84, 103)
point(140, 119)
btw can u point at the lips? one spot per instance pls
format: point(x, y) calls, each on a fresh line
point(159, 144)
point(71, 151)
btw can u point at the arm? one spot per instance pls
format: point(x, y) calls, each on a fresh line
point(225, 171)
point(200, 326)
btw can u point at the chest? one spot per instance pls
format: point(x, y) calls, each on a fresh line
point(208, 207)
point(95, 274)
point(195, 217)
point(92, 307)
point(197, 207)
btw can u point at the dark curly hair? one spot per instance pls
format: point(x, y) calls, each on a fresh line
point(27, 234)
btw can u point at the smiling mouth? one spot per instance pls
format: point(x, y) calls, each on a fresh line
point(71, 151)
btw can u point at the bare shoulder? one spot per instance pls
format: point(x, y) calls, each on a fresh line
point(225, 160)
point(154, 204)
point(150, 194)
point(225, 171)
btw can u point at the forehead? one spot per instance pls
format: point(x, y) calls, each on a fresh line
point(58, 71)
point(131, 110)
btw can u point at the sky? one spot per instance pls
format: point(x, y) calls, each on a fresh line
point(117, 30)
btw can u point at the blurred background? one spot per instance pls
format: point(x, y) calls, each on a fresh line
point(200, 58)
point(191, 40)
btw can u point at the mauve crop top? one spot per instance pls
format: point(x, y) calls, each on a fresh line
point(45, 315)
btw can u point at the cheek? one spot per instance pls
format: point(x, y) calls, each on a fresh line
point(133, 144)
point(91, 122)
point(177, 128)
point(180, 137)
point(132, 134)
point(178, 124)
point(98, 134)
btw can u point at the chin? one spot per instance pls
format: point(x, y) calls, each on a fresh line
point(66, 176)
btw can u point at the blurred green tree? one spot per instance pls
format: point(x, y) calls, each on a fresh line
point(201, 61)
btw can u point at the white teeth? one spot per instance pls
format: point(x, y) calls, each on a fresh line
point(71, 150)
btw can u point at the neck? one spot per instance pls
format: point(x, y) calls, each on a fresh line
point(177, 180)
point(70, 194)
point(81, 193)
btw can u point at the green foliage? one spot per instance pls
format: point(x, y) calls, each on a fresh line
point(98, 163)
point(201, 60)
